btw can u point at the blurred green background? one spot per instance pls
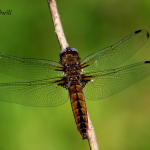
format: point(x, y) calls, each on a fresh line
point(122, 121)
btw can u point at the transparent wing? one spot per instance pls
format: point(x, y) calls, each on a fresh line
point(116, 54)
point(109, 82)
point(42, 93)
point(28, 68)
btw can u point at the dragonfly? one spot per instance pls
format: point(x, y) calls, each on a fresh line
point(95, 77)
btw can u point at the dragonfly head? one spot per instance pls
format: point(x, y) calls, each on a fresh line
point(69, 52)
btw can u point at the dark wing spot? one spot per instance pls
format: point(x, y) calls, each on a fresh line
point(147, 61)
point(137, 31)
point(147, 35)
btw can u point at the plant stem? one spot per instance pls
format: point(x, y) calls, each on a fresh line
point(63, 45)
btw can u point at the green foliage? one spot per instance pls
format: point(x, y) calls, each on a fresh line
point(121, 121)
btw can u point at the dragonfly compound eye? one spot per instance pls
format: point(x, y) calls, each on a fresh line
point(65, 52)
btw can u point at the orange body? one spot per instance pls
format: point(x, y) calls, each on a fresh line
point(72, 81)
point(79, 109)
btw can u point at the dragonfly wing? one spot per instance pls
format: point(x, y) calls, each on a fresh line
point(42, 93)
point(28, 68)
point(109, 82)
point(116, 54)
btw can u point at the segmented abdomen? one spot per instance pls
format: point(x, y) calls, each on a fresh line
point(79, 109)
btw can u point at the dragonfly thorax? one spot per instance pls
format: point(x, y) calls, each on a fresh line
point(72, 71)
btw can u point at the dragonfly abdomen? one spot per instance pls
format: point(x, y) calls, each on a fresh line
point(79, 109)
